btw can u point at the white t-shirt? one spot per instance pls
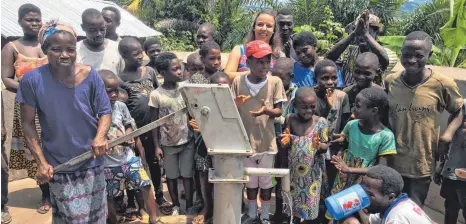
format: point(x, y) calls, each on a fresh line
point(404, 212)
point(254, 88)
point(108, 59)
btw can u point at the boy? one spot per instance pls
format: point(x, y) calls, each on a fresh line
point(95, 50)
point(174, 137)
point(121, 165)
point(258, 113)
point(205, 32)
point(366, 67)
point(332, 104)
point(388, 203)
point(211, 57)
point(305, 46)
point(112, 17)
point(193, 65)
point(153, 48)
point(139, 81)
point(361, 39)
point(417, 96)
point(453, 186)
point(220, 77)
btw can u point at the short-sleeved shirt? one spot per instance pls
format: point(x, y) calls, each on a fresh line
point(139, 91)
point(260, 130)
point(306, 77)
point(176, 131)
point(68, 117)
point(352, 91)
point(457, 154)
point(405, 211)
point(414, 117)
point(363, 151)
point(333, 114)
point(121, 120)
point(108, 59)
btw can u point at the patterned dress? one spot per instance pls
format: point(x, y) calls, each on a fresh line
point(20, 157)
point(308, 175)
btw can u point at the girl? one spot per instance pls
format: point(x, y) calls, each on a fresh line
point(19, 57)
point(307, 134)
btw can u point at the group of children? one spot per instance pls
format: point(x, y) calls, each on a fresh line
point(327, 137)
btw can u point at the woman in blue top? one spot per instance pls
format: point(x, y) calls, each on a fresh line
point(264, 28)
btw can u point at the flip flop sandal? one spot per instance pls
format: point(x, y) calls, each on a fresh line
point(166, 208)
point(44, 207)
point(6, 217)
point(131, 214)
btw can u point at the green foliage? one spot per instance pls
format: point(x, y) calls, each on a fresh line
point(441, 55)
point(177, 41)
point(327, 32)
point(454, 31)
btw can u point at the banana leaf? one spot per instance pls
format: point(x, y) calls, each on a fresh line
point(454, 31)
point(395, 43)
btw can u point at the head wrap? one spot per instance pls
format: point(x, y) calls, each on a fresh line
point(52, 27)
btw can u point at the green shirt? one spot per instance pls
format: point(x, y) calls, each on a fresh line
point(363, 151)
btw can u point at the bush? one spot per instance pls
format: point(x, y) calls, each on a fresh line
point(178, 41)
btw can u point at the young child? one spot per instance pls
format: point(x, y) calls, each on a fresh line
point(193, 65)
point(121, 165)
point(370, 142)
point(174, 138)
point(305, 46)
point(366, 69)
point(453, 186)
point(211, 58)
point(220, 77)
point(307, 134)
point(332, 104)
point(139, 81)
point(283, 69)
point(417, 97)
point(257, 114)
point(152, 48)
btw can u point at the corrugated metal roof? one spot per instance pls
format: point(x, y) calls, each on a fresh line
point(69, 11)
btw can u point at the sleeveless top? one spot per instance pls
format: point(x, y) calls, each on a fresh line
point(25, 64)
point(242, 66)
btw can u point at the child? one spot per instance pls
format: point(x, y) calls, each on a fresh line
point(370, 142)
point(307, 134)
point(257, 114)
point(207, 188)
point(205, 32)
point(453, 186)
point(121, 165)
point(211, 57)
point(193, 65)
point(305, 46)
point(283, 69)
point(220, 77)
point(139, 81)
point(174, 137)
point(112, 17)
point(153, 48)
point(366, 68)
point(332, 104)
point(417, 97)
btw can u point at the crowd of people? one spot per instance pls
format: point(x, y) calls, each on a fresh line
point(334, 120)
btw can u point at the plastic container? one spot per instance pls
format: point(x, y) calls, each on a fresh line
point(347, 202)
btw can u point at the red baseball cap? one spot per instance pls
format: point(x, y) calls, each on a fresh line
point(258, 49)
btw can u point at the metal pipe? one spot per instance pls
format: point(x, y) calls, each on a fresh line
point(284, 173)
